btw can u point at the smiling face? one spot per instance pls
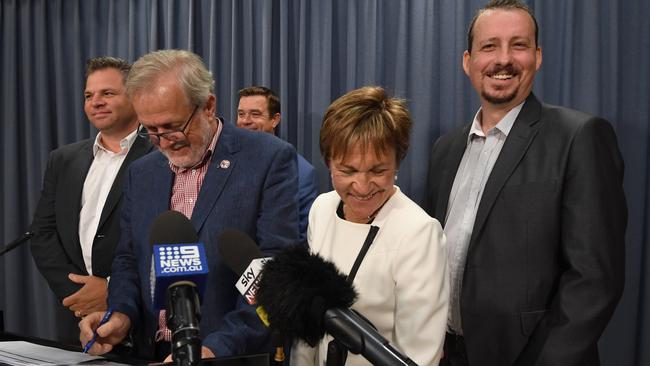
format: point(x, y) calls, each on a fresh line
point(504, 57)
point(364, 180)
point(253, 114)
point(106, 104)
point(163, 108)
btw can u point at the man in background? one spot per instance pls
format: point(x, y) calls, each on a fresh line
point(259, 110)
point(219, 177)
point(76, 222)
point(532, 203)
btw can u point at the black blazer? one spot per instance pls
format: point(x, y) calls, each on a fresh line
point(545, 265)
point(55, 246)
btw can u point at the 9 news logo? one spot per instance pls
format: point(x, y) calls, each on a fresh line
point(180, 258)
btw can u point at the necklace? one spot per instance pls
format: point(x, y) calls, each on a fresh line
point(365, 220)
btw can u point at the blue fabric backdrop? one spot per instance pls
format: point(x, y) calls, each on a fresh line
point(596, 58)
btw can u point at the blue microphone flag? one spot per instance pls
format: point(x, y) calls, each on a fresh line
point(178, 262)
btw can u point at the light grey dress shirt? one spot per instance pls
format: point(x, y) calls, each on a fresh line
point(473, 172)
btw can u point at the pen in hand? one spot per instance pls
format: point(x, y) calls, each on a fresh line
point(105, 319)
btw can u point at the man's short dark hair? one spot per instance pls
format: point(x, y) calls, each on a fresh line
point(108, 62)
point(272, 100)
point(500, 4)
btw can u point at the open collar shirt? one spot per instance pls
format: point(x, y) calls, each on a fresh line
point(97, 185)
point(481, 153)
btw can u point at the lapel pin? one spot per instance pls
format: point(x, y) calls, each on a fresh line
point(224, 164)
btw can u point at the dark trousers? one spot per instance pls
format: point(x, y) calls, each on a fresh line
point(67, 326)
point(454, 351)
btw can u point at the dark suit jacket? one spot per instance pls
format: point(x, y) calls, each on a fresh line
point(545, 265)
point(251, 185)
point(55, 246)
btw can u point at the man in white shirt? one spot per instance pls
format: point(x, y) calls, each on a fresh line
point(76, 222)
point(531, 199)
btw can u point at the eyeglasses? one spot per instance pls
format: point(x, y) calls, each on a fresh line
point(173, 136)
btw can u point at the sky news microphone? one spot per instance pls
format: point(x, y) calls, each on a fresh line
point(242, 256)
point(306, 296)
point(181, 269)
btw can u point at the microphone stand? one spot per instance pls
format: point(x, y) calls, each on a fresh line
point(9, 247)
point(337, 353)
point(14, 244)
point(277, 341)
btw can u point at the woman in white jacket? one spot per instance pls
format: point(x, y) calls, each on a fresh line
point(401, 280)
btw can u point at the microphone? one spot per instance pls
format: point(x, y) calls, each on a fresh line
point(181, 268)
point(16, 243)
point(306, 296)
point(242, 256)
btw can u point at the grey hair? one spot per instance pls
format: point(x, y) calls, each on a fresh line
point(194, 78)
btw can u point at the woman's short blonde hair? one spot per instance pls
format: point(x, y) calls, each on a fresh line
point(367, 116)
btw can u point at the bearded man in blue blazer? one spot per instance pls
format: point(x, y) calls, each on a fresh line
point(532, 202)
point(217, 175)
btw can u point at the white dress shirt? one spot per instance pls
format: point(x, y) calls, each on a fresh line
point(97, 185)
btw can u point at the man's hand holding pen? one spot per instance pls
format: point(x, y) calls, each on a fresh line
point(107, 335)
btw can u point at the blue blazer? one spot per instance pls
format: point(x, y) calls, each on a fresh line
point(307, 192)
point(251, 185)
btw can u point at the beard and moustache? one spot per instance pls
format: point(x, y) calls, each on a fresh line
point(503, 99)
point(196, 154)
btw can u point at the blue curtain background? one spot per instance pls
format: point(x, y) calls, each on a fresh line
point(596, 59)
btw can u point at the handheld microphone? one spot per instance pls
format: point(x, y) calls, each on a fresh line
point(243, 257)
point(181, 268)
point(306, 296)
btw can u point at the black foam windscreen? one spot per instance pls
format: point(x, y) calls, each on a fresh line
point(295, 290)
point(172, 227)
point(237, 250)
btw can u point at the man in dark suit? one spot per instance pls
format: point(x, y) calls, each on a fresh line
point(217, 175)
point(259, 110)
point(533, 208)
point(76, 221)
